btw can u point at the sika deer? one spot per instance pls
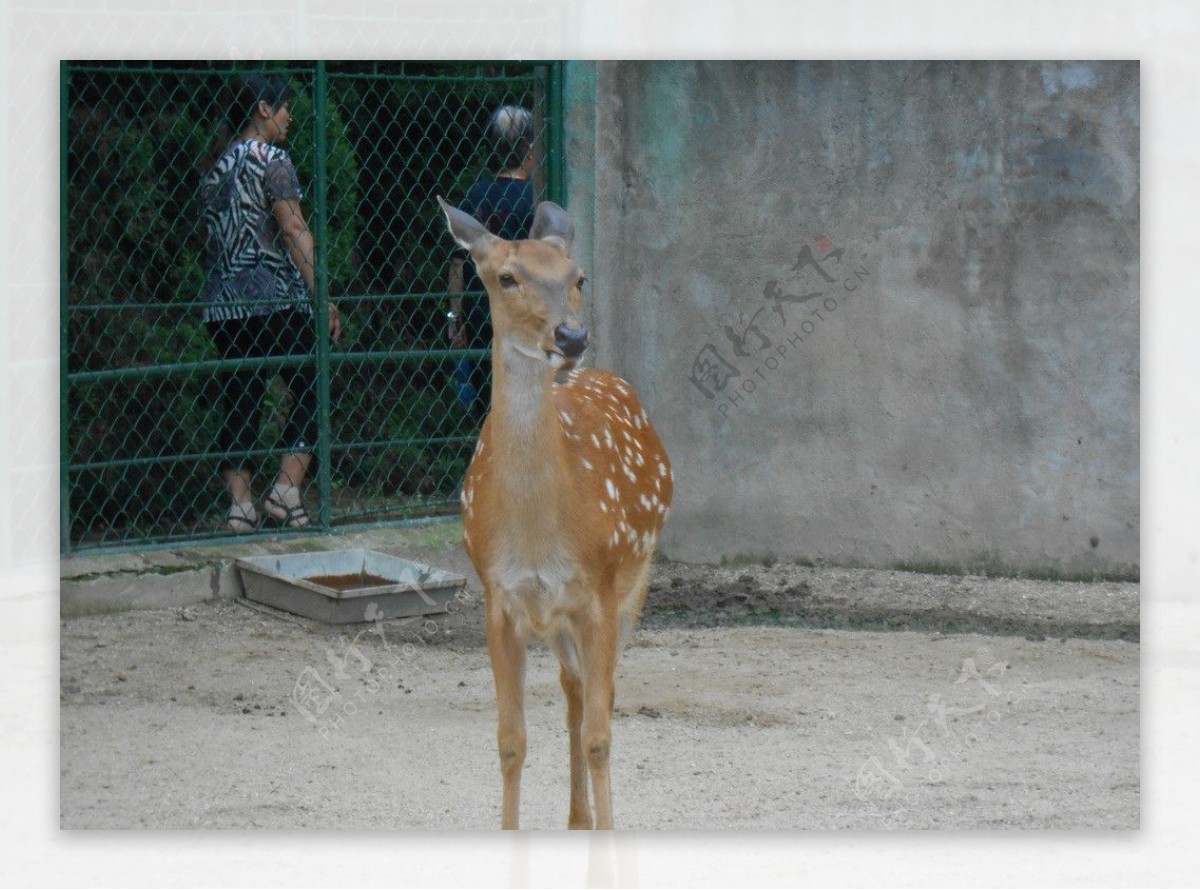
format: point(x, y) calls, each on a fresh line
point(562, 504)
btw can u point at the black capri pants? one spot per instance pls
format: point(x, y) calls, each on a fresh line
point(287, 332)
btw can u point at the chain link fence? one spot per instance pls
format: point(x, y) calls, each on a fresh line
point(141, 393)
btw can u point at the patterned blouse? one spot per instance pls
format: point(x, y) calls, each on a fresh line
point(249, 270)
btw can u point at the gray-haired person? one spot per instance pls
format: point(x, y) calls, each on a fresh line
point(504, 202)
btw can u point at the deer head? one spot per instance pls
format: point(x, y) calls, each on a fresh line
point(533, 285)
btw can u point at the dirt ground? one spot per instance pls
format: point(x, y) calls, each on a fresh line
point(764, 696)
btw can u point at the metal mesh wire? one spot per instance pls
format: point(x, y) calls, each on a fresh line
point(142, 387)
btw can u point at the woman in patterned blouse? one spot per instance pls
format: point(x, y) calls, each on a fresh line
point(258, 287)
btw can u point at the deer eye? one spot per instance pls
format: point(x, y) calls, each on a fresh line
point(507, 280)
point(581, 282)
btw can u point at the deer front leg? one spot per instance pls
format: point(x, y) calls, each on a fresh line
point(599, 663)
point(507, 652)
point(580, 815)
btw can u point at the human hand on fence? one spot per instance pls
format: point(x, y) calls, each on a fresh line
point(335, 323)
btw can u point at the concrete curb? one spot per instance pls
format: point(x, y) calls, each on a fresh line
point(680, 593)
point(98, 582)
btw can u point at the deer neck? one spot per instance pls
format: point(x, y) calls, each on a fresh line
point(525, 429)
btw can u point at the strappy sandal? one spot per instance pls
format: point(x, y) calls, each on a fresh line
point(277, 514)
point(242, 519)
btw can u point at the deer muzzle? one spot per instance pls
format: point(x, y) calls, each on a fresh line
point(571, 341)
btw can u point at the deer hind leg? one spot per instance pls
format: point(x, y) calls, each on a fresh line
point(507, 652)
point(580, 815)
point(599, 657)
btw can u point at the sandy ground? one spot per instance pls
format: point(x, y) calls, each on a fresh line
point(750, 698)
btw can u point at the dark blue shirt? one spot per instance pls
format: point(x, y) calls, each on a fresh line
point(505, 206)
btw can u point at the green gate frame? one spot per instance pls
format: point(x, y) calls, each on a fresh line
point(546, 77)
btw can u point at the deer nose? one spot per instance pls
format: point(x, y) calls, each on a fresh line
point(571, 341)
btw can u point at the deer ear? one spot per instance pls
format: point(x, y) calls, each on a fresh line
point(551, 221)
point(466, 229)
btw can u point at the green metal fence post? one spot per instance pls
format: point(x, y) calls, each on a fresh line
point(64, 414)
point(554, 157)
point(321, 295)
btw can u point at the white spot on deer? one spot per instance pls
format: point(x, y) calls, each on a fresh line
point(566, 418)
point(612, 489)
point(595, 441)
point(586, 463)
point(662, 469)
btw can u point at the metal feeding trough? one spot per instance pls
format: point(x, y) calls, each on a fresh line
point(341, 586)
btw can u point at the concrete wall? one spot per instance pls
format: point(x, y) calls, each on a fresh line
point(964, 389)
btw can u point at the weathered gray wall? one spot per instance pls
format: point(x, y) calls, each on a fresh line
point(965, 389)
